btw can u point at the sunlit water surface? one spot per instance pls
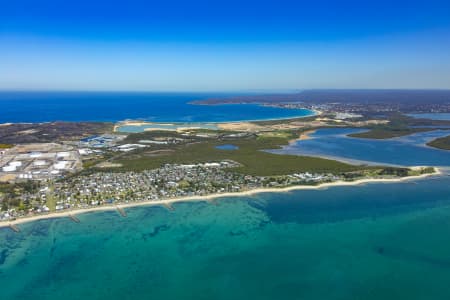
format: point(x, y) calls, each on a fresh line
point(379, 241)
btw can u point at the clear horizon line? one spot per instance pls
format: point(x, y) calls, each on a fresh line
point(291, 91)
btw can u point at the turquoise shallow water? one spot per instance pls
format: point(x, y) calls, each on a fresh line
point(379, 241)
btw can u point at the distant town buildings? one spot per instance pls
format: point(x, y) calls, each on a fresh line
point(166, 182)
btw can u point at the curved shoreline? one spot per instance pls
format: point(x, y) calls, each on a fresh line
point(285, 149)
point(137, 123)
point(68, 213)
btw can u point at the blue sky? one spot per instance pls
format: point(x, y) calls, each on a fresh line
point(223, 45)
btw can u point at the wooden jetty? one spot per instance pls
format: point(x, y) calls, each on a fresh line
point(74, 218)
point(14, 228)
point(168, 206)
point(212, 201)
point(121, 211)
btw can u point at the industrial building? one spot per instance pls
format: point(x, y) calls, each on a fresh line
point(38, 162)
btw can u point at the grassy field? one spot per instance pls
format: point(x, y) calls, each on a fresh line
point(440, 143)
point(10, 194)
point(254, 161)
point(5, 146)
point(279, 134)
point(283, 121)
point(51, 202)
point(149, 135)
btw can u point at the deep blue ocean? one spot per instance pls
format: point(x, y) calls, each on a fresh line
point(112, 107)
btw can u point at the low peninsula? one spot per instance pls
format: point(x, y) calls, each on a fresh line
point(56, 168)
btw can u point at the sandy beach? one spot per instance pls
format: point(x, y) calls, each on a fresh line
point(129, 123)
point(232, 126)
point(67, 213)
point(243, 125)
point(306, 135)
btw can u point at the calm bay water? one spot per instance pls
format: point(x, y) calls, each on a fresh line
point(432, 116)
point(113, 107)
point(409, 150)
point(369, 242)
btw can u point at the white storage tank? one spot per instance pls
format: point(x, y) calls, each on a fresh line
point(9, 168)
point(62, 154)
point(39, 163)
point(60, 165)
point(35, 154)
point(15, 163)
